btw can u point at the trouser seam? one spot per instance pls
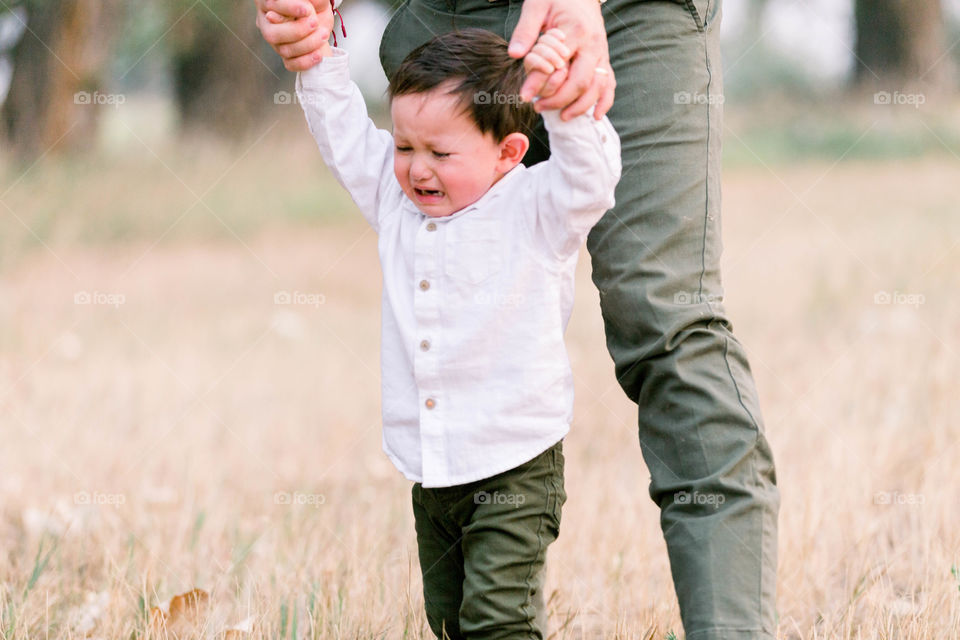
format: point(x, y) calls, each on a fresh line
point(753, 475)
point(528, 602)
point(736, 387)
point(707, 172)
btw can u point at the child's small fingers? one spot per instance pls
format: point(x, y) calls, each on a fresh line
point(549, 41)
point(275, 18)
point(550, 55)
point(535, 62)
point(557, 33)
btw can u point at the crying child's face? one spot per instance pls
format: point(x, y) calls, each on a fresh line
point(441, 159)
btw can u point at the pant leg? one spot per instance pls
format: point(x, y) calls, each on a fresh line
point(515, 518)
point(656, 264)
point(441, 564)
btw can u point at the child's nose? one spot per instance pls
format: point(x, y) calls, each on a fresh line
point(419, 169)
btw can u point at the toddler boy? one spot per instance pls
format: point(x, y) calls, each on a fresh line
point(478, 255)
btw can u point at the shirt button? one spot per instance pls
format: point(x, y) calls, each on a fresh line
point(431, 226)
point(424, 345)
point(430, 403)
point(424, 285)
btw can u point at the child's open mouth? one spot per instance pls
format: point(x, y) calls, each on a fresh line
point(428, 194)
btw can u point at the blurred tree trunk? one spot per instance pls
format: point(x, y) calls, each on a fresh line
point(900, 44)
point(224, 77)
point(62, 54)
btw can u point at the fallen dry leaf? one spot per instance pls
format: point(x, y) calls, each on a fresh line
point(185, 616)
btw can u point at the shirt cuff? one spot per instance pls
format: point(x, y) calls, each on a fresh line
point(331, 71)
point(552, 120)
point(585, 126)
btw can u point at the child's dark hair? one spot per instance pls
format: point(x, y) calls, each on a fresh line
point(487, 80)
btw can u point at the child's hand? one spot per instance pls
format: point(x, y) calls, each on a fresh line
point(297, 30)
point(549, 54)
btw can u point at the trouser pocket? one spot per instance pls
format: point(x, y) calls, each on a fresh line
point(703, 12)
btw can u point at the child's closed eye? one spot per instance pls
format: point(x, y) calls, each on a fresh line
point(402, 149)
point(440, 154)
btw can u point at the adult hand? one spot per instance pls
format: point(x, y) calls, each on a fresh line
point(296, 29)
point(588, 79)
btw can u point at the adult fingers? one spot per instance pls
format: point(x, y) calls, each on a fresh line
point(533, 85)
point(606, 96)
point(289, 31)
point(310, 44)
point(556, 80)
point(586, 100)
point(289, 8)
point(302, 63)
point(533, 16)
point(535, 78)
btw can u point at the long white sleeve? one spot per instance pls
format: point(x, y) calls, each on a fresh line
point(358, 153)
point(575, 186)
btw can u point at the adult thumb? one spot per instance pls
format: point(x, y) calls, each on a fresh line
point(533, 17)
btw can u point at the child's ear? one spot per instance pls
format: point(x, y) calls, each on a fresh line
point(512, 150)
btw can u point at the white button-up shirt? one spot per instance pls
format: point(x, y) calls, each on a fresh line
point(476, 378)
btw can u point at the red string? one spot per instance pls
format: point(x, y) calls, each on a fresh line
point(343, 27)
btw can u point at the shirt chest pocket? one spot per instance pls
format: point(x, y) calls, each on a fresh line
point(474, 251)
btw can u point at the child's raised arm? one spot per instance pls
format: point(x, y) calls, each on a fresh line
point(576, 185)
point(358, 154)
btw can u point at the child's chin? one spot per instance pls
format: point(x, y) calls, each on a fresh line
point(436, 209)
point(435, 213)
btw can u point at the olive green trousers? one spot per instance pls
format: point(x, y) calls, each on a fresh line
point(482, 549)
point(655, 263)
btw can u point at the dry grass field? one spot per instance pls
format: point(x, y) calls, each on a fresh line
point(166, 424)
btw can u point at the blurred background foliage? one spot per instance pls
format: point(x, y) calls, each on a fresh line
point(159, 120)
point(205, 62)
point(206, 57)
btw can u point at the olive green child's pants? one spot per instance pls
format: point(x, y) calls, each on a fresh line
point(482, 550)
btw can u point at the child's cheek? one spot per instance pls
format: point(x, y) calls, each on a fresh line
point(400, 171)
